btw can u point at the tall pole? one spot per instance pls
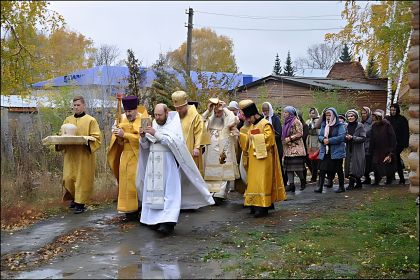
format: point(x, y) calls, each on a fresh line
point(189, 39)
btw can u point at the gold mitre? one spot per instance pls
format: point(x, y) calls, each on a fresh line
point(179, 98)
point(245, 103)
point(214, 100)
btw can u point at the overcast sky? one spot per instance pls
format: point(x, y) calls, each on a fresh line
point(151, 27)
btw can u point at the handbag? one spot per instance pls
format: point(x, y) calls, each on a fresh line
point(314, 155)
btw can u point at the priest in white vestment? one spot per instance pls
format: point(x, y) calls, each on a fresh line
point(165, 165)
point(220, 162)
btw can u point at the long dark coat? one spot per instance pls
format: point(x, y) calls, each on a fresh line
point(382, 144)
point(354, 163)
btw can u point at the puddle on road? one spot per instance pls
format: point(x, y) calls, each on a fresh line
point(145, 270)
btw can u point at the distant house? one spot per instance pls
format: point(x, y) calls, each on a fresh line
point(348, 78)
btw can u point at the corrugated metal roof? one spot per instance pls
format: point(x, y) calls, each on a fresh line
point(336, 84)
point(117, 76)
point(16, 101)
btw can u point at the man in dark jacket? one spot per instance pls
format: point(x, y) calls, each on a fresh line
point(400, 125)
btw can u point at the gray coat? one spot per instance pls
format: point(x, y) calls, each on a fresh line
point(368, 128)
point(355, 153)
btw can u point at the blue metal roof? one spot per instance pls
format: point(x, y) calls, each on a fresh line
point(117, 76)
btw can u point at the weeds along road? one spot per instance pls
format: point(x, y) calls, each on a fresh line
point(100, 244)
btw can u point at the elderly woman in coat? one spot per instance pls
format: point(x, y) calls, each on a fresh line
point(333, 149)
point(366, 121)
point(382, 147)
point(293, 147)
point(354, 164)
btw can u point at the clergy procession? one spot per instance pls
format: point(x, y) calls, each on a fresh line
point(183, 160)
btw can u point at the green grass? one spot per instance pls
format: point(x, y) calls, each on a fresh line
point(376, 240)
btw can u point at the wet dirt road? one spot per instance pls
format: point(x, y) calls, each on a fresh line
point(99, 244)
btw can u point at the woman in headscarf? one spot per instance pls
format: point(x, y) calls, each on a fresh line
point(382, 148)
point(293, 147)
point(333, 149)
point(312, 142)
point(366, 120)
point(274, 119)
point(354, 165)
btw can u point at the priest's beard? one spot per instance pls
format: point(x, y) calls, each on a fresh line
point(161, 122)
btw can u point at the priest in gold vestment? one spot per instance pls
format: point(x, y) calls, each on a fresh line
point(264, 179)
point(122, 157)
point(79, 160)
point(220, 163)
point(195, 136)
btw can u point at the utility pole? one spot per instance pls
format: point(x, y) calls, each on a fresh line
point(189, 38)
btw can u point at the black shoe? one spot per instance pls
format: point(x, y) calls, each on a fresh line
point(79, 210)
point(271, 207)
point(72, 205)
point(252, 210)
point(261, 212)
point(218, 200)
point(291, 188)
point(402, 182)
point(166, 228)
point(302, 187)
point(154, 227)
point(367, 181)
point(133, 216)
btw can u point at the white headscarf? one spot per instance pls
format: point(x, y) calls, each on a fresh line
point(270, 112)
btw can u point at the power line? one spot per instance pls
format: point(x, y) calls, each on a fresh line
point(275, 30)
point(316, 17)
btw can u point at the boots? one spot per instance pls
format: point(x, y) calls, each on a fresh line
point(351, 183)
point(261, 212)
point(359, 184)
point(320, 184)
point(367, 180)
point(291, 188)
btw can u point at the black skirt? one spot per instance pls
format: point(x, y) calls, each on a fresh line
point(328, 164)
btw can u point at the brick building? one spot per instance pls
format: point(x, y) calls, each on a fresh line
point(347, 78)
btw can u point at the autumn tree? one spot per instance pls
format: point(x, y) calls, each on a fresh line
point(277, 67)
point(65, 51)
point(288, 68)
point(19, 56)
point(210, 52)
point(371, 30)
point(371, 68)
point(346, 55)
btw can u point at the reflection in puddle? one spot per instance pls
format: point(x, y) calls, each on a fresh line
point(160, 271)
point(150, 271)
point(41, 274)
